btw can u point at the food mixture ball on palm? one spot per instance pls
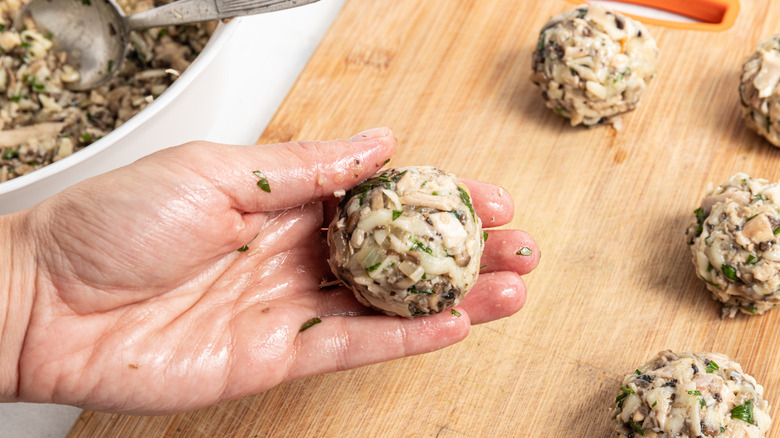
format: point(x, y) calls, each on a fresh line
point(733, 237)
point(690, 395)
point(593, 64)
point(758, 90)
point(407, 241)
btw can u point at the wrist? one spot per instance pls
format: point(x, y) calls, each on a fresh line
point(17, 280)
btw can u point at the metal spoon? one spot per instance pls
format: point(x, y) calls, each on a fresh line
point(95, 33)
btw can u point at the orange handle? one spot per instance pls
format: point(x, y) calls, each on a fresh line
point(714, 15)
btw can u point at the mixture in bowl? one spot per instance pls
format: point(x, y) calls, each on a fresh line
point(41, 121)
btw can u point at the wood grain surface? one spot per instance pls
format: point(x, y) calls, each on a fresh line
point(615, 284)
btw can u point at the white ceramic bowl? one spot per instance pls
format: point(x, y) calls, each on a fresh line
point(165, 122)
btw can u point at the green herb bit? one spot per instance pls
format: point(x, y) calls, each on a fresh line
point(373, 268)
point(776, 230)
point(458, 214)
point(729, 272)
point(435, 193)
point(759, 197)
point(712, 366)
point(636, 427)
point(559, 110)
point(722, 429)
point(751, 260)
point(697, 392)
point(414, 290)
point(310, 323)
point(540, 46)
point(700, 216)
point(418, 245)
point(10, 154)
point(711, 283)
point(162, 32)
point(483, 266)
point(626, 392)
point(637, 372)
point(2, 27)
point(485, 236)
point(702, 403)
point(751, 217)
point(744, 412)
point(455, 312)
point(397, 214)
point(524, 251)
point(464, 196)
point(243, 248)
point(110, 65)
point(386, 161)
point(709, 267)
point(752, 310)
point(86, 137)
point(654, 404)
point(16, 98)
point(263, 183)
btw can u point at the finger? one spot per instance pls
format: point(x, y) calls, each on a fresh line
point(496, 295)
point(510, 250)
point(493, 204)
point(341, 343)
point(279, 176)
point(340, 301)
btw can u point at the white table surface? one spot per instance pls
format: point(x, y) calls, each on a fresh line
point(277, 47)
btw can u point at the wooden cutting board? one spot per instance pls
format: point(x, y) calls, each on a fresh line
point(609, 209)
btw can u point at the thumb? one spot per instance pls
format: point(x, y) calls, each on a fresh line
point(286, 175)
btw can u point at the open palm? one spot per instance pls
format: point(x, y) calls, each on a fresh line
point(177, 282)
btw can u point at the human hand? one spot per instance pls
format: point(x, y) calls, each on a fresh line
point(140, 302)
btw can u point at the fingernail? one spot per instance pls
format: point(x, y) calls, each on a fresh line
point(370, 134)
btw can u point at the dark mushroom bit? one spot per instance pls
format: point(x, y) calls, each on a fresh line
point(690, 395)
point(733, 239)
point(593, 64)
point(407, 241)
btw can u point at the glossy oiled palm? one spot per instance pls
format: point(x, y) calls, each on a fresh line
point(143, 302)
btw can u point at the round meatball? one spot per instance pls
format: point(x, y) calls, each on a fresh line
point(758, 90)
point(690, 395)
point(593, 64)
point(407, 241)
point(733, 239)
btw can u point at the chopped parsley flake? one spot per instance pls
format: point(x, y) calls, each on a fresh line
point(636, 427)
point(697, 392)
point(702, 403)
point(752, 260)
point(243, 248)
point(397, 214)
point(263, 182)
point(464, 196)
point(10, 154)
point(418, 245)
point(373, 268)
point(485, 236)
point(386, 161)
point(110, 65)
point(483, 266)
point(752, 310)
point(654, 404)
point(414, 290)
point(712, 366)
point(729, 272)
point(744, 412)
point(310, 323)
point(455, 312)
point(776, 230)
point(637, 372)
point(626, 392)
point(524, 251)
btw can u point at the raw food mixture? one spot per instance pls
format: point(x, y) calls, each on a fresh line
point(758, 90)
point(690, 395)
point(41, 121)
point(593, 64)
point(407, 241)
point(733, 240)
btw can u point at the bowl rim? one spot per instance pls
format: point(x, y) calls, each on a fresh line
point(210, 51)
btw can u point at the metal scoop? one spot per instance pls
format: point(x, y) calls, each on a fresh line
point(95, 33)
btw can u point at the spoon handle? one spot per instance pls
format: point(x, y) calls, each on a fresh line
point(194, 11)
